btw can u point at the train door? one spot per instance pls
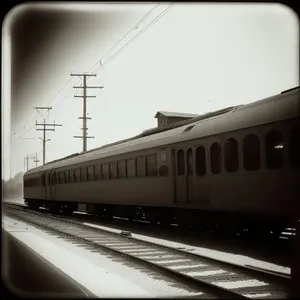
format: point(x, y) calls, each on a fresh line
point(48, 185)
point(183, 175)
point(53, 181)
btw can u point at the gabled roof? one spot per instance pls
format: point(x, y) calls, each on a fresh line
point(175, 114)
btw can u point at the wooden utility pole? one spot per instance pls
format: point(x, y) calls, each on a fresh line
point(26, 159)
point(44, 130)
point(84, 117)
point(36, 159)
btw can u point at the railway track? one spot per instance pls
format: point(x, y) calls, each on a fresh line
point(211, 277)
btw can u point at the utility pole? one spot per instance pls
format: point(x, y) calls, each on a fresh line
point(84, 96)
point(44, 130)
point(36, 159)
point(26, 159)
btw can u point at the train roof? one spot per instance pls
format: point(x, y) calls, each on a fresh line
point(272, 109)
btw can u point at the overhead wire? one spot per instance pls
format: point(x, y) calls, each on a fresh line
point(110, 59)
point(136, 36)
point(133, 28)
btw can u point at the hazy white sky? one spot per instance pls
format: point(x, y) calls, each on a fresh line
point(196, 58)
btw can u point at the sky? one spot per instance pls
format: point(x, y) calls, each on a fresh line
point(182, 57)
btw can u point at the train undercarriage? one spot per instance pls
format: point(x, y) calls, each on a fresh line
point(225, 223)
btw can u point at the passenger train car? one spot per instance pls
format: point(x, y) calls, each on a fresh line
point(232, 169)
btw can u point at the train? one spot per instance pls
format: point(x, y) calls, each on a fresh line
point(234, 169)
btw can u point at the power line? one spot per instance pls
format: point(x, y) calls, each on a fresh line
point(112, 57)
point(137, 35)
point(46, 105)
point(133, 28)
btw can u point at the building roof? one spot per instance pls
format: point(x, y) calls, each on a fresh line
point(175, 114)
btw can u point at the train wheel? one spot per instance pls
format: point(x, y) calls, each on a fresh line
point(33, 204)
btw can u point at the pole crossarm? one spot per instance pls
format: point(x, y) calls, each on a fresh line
point(85, 96)
point(84, 118)
point(82, 137)
point(88, 87)
point(44, 124)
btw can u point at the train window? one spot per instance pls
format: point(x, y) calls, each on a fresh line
point(200, 161)
point(294, 146)
point(131, 171)
point(77, 175)
point(84, 174)
point(97, 172)
point(151, 163)
point(71, 175)
point(163, 171)
point(113, 170)
point(91, 173)
point(251, 152)
point(67, 176)
point(141, 166)
point(105, 171)
point(122, 168)
point(231, 155)
point(189, 161)
point(216, 158)
point(44, 179)
point(274, 150)
point(189, 128)
point(180, 162)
